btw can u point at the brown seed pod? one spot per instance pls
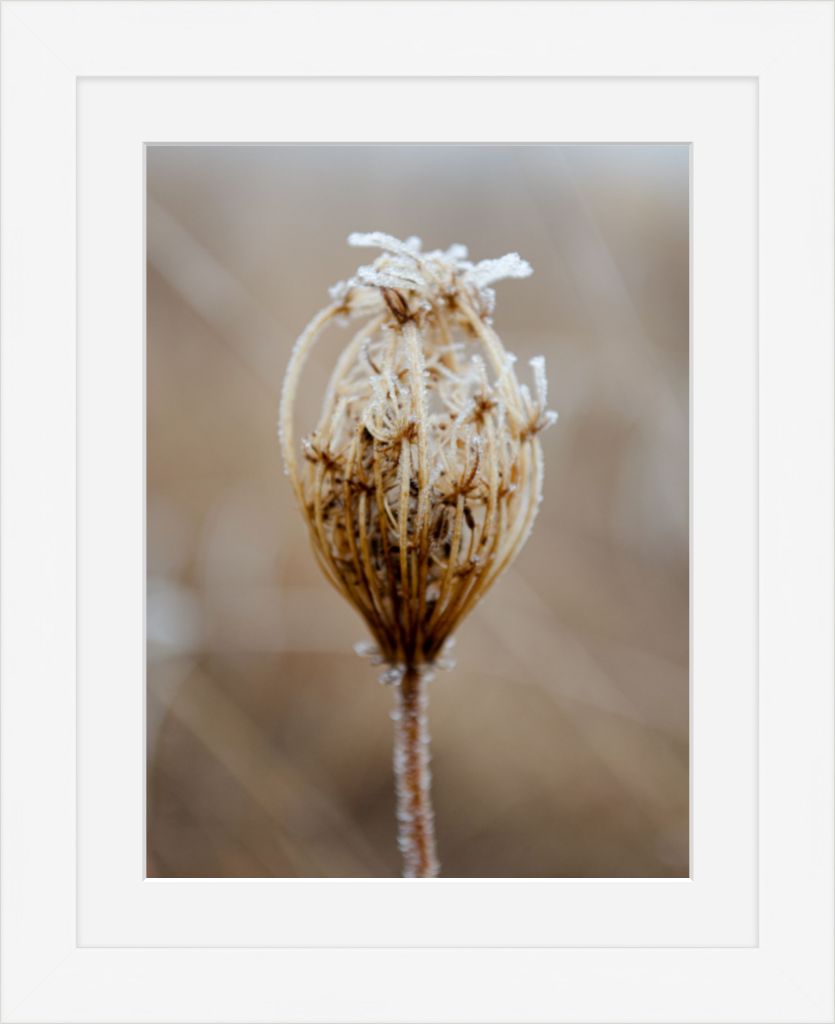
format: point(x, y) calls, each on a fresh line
point(421, 481)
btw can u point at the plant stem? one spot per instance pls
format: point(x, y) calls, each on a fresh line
point(412, 777)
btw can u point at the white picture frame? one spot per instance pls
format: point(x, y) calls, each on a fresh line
point(749, 936)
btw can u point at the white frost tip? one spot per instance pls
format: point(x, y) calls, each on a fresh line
point(392, 675)
point(457, 252)
point(365, 649)
point(511, 265)
point(368, 650)
point(380, 240)
point(540, 381)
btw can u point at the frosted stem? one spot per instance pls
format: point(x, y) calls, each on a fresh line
point(412, 777)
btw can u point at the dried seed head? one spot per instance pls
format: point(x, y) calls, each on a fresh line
point(422, 478)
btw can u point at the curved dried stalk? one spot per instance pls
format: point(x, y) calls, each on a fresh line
point(422, 479)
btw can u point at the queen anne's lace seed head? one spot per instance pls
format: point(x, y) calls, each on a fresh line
point(422, 478)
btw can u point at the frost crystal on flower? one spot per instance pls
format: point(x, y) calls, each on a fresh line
point(432, 276)
point(422, 478)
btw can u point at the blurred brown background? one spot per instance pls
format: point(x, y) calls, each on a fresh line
point(560, 740)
